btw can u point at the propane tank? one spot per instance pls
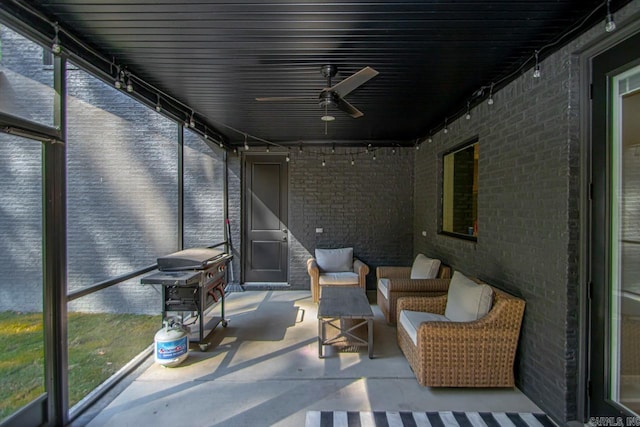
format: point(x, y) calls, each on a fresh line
point(171, 344)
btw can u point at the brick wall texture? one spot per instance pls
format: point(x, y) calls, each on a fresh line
point(367, 206)
point(528, 215)
point(122, 188)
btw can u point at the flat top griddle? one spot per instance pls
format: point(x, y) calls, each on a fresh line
point(189, 259)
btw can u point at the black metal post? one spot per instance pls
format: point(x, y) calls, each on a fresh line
point(181, 187)
point(55, 258)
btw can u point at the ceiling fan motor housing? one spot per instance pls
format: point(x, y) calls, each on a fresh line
point(328, 99)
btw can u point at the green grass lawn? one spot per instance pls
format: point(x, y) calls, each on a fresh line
point(99, 345)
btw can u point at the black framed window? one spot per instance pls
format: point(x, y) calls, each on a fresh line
point(460, 190)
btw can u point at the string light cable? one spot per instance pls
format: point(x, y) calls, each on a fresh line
point(609, 26)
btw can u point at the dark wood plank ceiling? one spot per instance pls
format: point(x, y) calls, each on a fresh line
point(218, 56)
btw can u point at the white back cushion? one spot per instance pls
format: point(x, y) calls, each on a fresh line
point(425, 268)
point(467, 301)
point(335, 260)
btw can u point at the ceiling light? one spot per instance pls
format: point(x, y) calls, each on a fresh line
point(268, 149)
point(158, 105)
point(468, 116)
point(490, 101)
point(246, 144)
point(610, 26)
point(374, 156)
point(129, 85)
point(353, 162)
point(288, 159)
point(118, 81)
point(430, 139)
point(55, 46)
point(536, 69)
point(327, 118)
point(446, 129)
point(323, 162)
point(192, 121)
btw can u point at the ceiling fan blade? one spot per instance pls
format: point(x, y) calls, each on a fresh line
point(348, 108)
point(284, 98)
point(354, 81)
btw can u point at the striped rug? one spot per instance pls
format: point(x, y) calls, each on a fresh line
point(419, 419)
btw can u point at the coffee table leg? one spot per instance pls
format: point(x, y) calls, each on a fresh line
point(320, 337)
point(370, 343)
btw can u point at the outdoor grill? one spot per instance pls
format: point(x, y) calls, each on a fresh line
point(193, 280)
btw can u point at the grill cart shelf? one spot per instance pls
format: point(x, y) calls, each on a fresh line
point(193, 281)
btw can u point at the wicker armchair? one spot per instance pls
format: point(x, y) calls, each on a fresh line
point(359, 267)
point(464, 354)
point(401, 285)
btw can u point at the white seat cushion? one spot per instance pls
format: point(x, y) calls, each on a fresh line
point(383, 286)
point(334, 260)
point(466, 300)
point(411, 320)
point(425, 268)
point(344, 278)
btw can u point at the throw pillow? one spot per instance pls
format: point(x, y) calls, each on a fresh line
point(466, 300)
point(425, 268)
point(335, 260)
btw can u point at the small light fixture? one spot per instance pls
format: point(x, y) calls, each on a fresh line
point(446, 129)
point(393, 150)
point(268, 149)
point(221, 144)
point(323, 162)
point(246, 144)
point(353, 161)
point(430, 139)
point(417, 146)
point(468, 116)
point(129, 84)
point(610, 25)
point(490, 101)
point(374, 155)
point(118, 81)
point(186, 121)
point(327, 118)
point(192, 120)
point(158, 105)
point(288, 158)
point(536, 69)
point(333, 149)
point(55, 46)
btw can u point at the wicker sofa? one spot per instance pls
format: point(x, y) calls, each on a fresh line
point(478, 353)
point(400, 285)
point(336, 267)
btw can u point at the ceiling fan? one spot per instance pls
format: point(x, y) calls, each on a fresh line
point(333, 96)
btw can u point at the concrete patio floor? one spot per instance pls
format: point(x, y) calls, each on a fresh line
point(264, 370)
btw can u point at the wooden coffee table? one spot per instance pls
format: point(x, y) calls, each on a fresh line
point(345, 310)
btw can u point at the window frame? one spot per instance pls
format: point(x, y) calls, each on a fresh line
point(475, 140)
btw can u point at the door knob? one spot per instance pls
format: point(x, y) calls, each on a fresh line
point(284, 238)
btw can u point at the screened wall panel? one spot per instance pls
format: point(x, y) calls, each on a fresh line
point(122, 192)
point(26, 78)
point(203, 192)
